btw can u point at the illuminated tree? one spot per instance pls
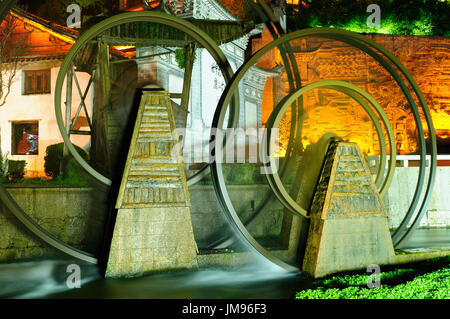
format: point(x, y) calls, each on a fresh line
point(11, 49)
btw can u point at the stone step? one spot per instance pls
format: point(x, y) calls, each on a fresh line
point(138, 195)
point(153, 177)
point(156, 124)
point(152, 167)
point(154, 119)
point(155, 107)
point(152, 138)
point(158, 172)
point(152, 184)
point(157, 129)
point(153, 160)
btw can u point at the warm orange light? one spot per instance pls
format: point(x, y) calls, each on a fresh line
point(405, 136)
point(124, 47)
point(154, 3)
point(441, 120)
point(347, 120)
point(135, 9)
point(38, 26)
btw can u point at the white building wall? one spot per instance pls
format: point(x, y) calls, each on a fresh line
point(39, 107)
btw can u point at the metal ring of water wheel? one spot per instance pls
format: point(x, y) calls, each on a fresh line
point(367, 46)
point(355, 93)
point(141, 16)
point(179, 23)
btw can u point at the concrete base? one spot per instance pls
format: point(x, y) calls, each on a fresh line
point(151, 240)
point(349, 224)
point(344, 244)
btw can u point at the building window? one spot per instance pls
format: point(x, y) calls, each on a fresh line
point(25, 138)
point(37, 82)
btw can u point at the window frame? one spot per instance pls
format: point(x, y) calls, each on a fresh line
point(15, 142)
point(33, 75)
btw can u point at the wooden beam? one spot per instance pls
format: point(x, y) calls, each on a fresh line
point(83, 98)
point(142, 57)
point(176, 95)
point(105, 77)
point(68, 112)
point(77, 132)
point(102, 86)
point(188, 65)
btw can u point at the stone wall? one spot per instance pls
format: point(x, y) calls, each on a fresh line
point(208, 219)
point(398, 198)
point(427, 58)
point(73, 215)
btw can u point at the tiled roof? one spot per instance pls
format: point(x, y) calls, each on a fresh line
point(72, 33)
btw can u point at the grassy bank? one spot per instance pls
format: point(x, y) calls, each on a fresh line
point(72, 181)
point(425, 280)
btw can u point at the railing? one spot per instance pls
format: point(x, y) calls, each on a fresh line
point(404, 160)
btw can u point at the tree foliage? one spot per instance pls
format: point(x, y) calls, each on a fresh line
point(418, 17)
point(54, 156)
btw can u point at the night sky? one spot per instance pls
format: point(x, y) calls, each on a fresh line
point(32, 5)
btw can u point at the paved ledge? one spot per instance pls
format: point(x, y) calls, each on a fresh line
point(227, 258)
point(407, 256)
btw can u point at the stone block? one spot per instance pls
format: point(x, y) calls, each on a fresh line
point(153, 230)
point(349, 235)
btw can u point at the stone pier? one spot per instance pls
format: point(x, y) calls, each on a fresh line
point(349, 224)
point(153, 230)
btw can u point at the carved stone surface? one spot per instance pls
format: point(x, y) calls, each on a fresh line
point(153, 175)
point(153, 230)
point(427, 58)
point(349, 224)
point(349, 188)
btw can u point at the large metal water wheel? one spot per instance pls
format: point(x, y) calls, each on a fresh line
point(90, 54)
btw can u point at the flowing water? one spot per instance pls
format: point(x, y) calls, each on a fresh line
point(48, 279)
point(42, 279)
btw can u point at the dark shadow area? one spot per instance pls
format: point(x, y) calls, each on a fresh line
point(117, 172)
